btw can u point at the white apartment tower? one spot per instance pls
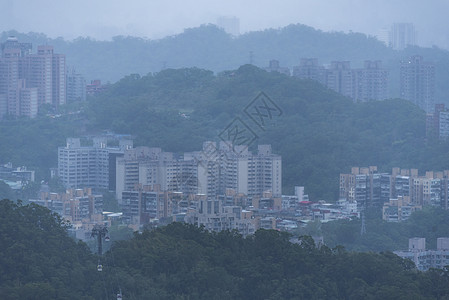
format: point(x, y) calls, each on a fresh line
point(402, 35)
point(340, 78)
point(89, 166)
point(417, 82)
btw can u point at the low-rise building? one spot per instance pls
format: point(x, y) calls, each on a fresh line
point(80, 207)
point(426, 259)
point(399, 209)
point(211, 214)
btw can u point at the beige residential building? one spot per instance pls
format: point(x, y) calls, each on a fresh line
point(23, 74)
point(210, 172)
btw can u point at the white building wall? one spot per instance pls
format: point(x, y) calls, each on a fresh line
point(242, 175)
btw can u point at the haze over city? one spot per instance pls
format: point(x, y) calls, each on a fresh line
point(102, 19)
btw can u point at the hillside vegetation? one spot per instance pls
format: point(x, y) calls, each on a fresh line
point(319, 133)
point(39, 261)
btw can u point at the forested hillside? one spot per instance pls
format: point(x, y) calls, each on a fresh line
point(319, 133)
point(39, 261)
point(208, 47)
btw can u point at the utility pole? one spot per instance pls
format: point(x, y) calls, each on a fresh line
point(100, 232)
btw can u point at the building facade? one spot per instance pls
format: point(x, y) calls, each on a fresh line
point(417, 82)
point(340, 78)
point(370, 188)
point(211, 171)
point(402, 35)
point(88, 166)
point(426, 259)
point(371, 82)
point(28, 80)
point(310, 69)
point(361, 85)
point(76, 87)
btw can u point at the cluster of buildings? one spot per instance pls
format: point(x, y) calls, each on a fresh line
point(81, 207)
point(29, 80)
point(398, 194)
point(417, 79)
point(210, 171)
point(233, 211)
point(426, 259)
point(16, 177)
point(361, 85)
point(220, 187)
point(150, 183)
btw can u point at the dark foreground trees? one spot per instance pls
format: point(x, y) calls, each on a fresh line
point(181, 261)
point(39, 261)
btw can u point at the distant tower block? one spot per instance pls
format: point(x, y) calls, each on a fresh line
point(230, 24)
point(402, 35)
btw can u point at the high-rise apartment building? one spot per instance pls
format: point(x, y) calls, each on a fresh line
point(21, 71)
point(402, 35)
point(310, 69)
point(371, 82)
point(76, 87)
point(417, 82)
point(437, 123)
point(340, 78)
point(88, 166)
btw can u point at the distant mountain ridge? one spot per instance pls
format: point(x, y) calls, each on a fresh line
point(209, 47)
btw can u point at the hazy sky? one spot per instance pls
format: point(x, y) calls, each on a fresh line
point(101, 19)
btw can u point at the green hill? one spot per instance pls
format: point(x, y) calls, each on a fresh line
point(39, 261)
point(319, 134)
point(37, 258)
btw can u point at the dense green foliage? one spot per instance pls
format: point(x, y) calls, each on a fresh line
point(37, 258)
point(39, 261)
point(211, 48)
point(319, 134)
point(430, 223)
point(183, 262)
point(34, 142)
